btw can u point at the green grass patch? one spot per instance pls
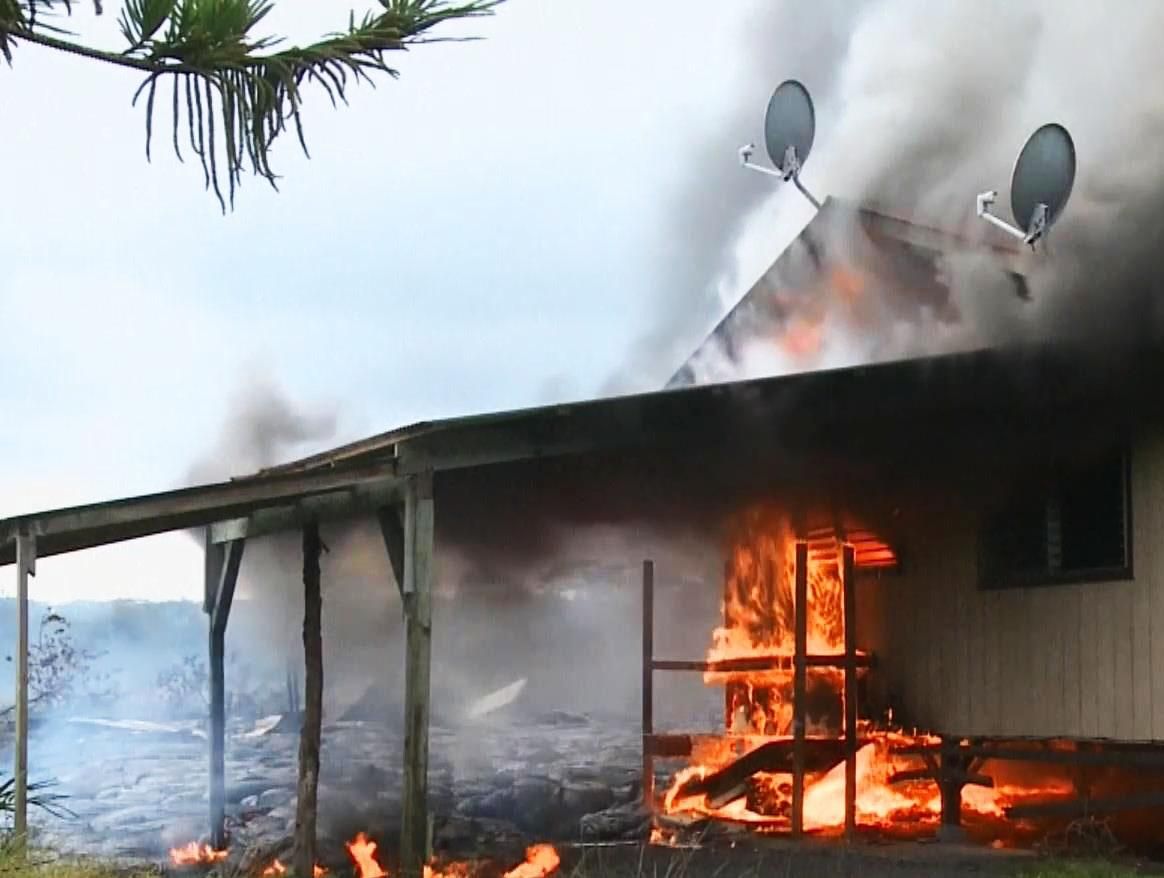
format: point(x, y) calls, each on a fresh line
point(1071, 869)
point(41, 864)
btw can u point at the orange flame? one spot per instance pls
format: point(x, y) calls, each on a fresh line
point(277, 868)
point(363, 853)
point(540, 860)
point(193, 853)
point(759, 612)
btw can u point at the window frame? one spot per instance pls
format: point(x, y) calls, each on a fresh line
point(992, 576)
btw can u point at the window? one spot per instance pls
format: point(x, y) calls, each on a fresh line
point(1070, 522)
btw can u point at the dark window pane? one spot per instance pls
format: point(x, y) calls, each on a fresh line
point(1071, 523)
point(1092, 510)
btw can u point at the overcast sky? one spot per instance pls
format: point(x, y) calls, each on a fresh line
point(487, 232)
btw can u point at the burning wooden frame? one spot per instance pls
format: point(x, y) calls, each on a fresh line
point(796, 755)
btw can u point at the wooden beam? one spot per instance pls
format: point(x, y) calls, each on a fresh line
point(1150, 756)
point(392, 530)
point(648, 682)
point(310, 733)
point(950, 783)
point(799, 684)
point(222, 568)
point(348, 502)
point(971, 778)
point(98, 524)
point(458, 447)
point(754, 664)
point(1084, 807)
point(214, 556)
point(418, 576)
point(669, 746)
point(849, 586)
point(25, 567)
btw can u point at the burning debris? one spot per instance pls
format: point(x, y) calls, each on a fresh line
point(746, 775)
point(541, 860)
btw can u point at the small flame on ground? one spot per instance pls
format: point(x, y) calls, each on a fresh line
point(193, 853)
point(277, 868)
point(540, 860)
point(363, 853)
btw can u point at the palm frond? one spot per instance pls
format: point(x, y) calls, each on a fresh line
point(232, 92)
point(48, 802)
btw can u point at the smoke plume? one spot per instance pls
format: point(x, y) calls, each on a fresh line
point(920, 107)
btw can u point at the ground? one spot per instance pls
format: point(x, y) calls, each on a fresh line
point(784, 859)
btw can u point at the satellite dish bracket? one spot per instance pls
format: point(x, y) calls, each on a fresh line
point(790, 171)
point(1038, 227)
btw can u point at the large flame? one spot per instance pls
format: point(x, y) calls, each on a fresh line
point(759, 619)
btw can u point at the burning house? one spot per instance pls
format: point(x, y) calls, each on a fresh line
point(939, 581)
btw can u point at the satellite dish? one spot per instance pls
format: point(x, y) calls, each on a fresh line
point(1043, 175)
point(789, 128)
point(1040, 185)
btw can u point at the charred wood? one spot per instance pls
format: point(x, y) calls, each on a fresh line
point(775, 757)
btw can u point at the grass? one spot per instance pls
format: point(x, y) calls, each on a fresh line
point(1070, 869)
point(42, 864)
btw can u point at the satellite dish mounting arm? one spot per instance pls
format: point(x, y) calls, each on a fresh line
point(1038, 227)
point(790, 171)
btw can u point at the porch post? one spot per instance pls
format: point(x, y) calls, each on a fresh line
point(222, 566)
point(849, 585)
point(25, 567)
point(418, 576)
point(799, 684)
point(311, 731)
point(648, 683)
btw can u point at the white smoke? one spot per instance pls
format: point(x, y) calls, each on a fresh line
point(920, 106)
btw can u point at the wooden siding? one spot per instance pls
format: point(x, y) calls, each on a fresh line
point(1082, 660)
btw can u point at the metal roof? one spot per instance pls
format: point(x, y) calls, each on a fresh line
point(997, 385)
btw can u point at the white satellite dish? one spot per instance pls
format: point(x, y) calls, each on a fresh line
point(789, 129)
point(1040, 185)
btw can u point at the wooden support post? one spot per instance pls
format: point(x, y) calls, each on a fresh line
point(303, 859)
point(849, 584)
point(951, 779)
point(25, 567)
point(799, 684)
point(648, 682)
point(222, 565)
point(418, 576)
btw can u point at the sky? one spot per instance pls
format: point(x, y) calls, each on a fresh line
point(489, 231)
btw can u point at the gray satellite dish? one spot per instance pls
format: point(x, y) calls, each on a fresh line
point(1040, 185)
point(789, 128)
point(1043, 176)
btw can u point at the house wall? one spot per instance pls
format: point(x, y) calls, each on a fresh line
point(1084, 660)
